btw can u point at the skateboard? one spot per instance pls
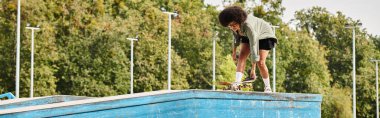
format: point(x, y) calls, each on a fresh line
point(243, 86)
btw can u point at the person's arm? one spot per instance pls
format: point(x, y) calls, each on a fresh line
point(234, 54)
point(253, 42)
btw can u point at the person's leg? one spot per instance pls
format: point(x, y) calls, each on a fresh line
point(264, 69)
point(261, 64)
point(252, 74)
point(244, 52)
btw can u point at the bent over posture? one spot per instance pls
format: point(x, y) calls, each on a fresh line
point(256, 38)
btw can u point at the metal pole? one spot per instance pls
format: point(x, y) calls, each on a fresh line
point(274, 62)
point(274, 69)
point(170, 45)
point(213, 61)
point(169, 51)
point(131, 66)
point(377, 90)
point(354, 67)
point(18, 49)
point(377, 86)
point(353, 72)
point(131, 83)
point(32, 61)
point(32, 68)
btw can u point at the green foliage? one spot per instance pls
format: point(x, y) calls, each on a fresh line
point(376, 41)
point(329, 30)
point(225, 70)
point(301, 63)
point(82, 49)
point(337, 103)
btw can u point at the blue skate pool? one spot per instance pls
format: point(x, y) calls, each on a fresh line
point(180, 103)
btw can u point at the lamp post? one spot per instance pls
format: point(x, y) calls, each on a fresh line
point(131, 83)
point(32, 60)
point(18, 49)
point(213, 60)
point(274, 61)
point(377, 86)
point(353, 64)
point(170, 45)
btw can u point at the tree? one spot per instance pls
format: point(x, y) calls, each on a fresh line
point(329, 31)
point(376, 40)
point(302, 62)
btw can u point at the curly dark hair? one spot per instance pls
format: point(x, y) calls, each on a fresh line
point(233, 13)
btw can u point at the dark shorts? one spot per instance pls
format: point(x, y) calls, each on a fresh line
point(264, 44)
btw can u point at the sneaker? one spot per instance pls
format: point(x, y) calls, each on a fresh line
point(267, 90)
point(235, 87)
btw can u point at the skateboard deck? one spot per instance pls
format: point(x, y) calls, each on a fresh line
point(241, 87)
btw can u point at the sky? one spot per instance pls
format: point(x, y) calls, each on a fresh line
point(367, 11)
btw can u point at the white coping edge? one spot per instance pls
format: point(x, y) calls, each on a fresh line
point(85, 101)
point(4, 102)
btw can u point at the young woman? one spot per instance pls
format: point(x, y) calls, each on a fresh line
point(256, 37)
